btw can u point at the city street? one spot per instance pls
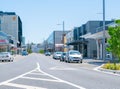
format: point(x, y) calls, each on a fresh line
point(37, 71)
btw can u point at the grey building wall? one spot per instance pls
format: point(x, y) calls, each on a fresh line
point(91, 26)
point(89, 47)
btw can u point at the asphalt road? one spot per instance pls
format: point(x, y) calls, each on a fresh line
point(37, 71)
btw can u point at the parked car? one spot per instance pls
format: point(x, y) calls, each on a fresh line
point(57, 55)
point(73, 56)
point(47, 53)
point(24, 53)
point(63, 56)
point(6, 56)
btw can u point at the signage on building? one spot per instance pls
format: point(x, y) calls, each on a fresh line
point(3, 41)
point(58, 45)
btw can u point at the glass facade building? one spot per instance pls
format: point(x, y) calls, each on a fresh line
point(54, 41)
point(11, 24)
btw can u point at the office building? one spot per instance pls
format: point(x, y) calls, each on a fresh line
point(55, 41)
point(11, 24)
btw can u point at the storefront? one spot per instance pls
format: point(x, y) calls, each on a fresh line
point(5, 44)
point(98, 37)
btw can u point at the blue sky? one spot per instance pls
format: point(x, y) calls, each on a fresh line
point(40, 17)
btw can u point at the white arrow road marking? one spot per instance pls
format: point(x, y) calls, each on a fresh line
point(22, 86)
point(69, 83)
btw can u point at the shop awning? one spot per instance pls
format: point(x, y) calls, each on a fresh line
point(98, 35)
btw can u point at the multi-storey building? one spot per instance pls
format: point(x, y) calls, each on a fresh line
point(11, 24)
point(86, 46)
point(55, 41)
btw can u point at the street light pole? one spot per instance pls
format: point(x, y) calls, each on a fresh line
point(63, 28)
point(63, 37)
point(104, 48)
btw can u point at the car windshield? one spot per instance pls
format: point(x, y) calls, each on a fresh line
point(64, 54)
point(74, 52)
point(59, 53)
point(4, 53)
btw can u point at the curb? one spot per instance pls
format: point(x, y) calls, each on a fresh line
point(111, 71)
point(100, 69)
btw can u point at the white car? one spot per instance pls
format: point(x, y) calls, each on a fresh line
point(74, 56)
point(6, 56)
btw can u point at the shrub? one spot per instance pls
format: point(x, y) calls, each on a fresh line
point(41, 51)
point(29, 50)
point(111, 66)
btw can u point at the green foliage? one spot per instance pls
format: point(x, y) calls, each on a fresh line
point(117, 21)
point(114, 41)
point(41, 51)
point(29, 50)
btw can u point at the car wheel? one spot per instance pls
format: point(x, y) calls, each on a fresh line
point(80, 61)
point(66, 61)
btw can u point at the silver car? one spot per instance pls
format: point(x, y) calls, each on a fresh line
point(57, 55)
point(63, 56)
point(73, 56)
point(6, 56)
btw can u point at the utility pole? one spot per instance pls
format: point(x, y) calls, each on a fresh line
point(63, 37)
point(104, 46)
point(63, 27)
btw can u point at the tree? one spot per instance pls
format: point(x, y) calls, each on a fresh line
point(41, 51)
point(114, 41)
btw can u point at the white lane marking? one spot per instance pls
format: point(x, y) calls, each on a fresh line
point(51, 80)
point(37, 74)
point(23, 86)
point(69, 83)
point(97, 69)
point(61, 68)
point(2, 83)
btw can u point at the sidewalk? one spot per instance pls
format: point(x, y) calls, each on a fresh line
point(94, 62)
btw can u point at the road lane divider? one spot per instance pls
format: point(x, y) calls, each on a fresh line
point(5, 82)
point(43, 79)
point(63, 81)
point(23, 86)
point(37, 74)
point(37, 69)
